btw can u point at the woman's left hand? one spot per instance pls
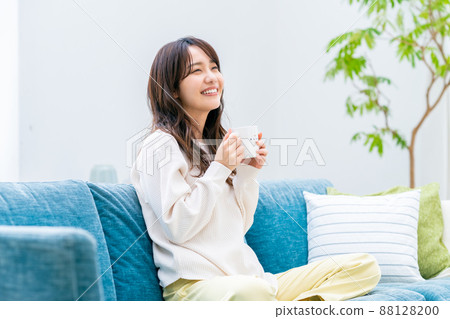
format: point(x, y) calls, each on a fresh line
point(261, 153)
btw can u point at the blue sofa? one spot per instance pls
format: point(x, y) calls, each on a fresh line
point(75, 240)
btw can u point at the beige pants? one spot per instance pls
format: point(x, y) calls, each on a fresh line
point(335, 278)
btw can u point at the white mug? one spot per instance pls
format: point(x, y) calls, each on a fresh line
point(249, 137)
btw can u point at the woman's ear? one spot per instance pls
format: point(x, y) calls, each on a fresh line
point(175, 95)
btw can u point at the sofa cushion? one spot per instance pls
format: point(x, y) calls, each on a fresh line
point(428, 290)
point(278, 234)
point(130, 247)
point(381, 293)
point(383, 226)
point(433, 257)
point(60, 203)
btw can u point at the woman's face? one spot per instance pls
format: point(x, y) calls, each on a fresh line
point(201, 90)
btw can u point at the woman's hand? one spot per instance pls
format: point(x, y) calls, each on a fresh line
point(261, 153)
point(231, 151)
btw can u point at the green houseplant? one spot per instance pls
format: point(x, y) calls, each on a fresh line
point(419, 31)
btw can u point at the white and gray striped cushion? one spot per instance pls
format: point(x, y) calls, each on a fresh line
point(383, 226)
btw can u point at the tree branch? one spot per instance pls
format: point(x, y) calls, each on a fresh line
point(433, 32)
point(446, 85)
point(426, 63)
point(429, 108)
point(433, 79)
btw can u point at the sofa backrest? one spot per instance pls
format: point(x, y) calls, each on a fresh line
point(61, 203)
point(112, 214)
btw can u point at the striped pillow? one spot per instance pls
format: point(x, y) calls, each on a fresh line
point(383, 226)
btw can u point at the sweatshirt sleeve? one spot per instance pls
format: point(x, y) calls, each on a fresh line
point(182, 209)
point(246, 188)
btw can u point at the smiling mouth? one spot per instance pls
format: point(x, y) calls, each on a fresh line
point(211, 92)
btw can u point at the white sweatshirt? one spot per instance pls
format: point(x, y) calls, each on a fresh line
point(197, 225)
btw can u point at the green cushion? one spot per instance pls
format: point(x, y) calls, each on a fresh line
point(433, 255)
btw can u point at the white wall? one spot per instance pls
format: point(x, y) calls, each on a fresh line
point(82, 96)
point(447, 143)
point(9, 117)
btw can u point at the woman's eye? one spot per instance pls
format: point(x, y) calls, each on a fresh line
point(215, 67)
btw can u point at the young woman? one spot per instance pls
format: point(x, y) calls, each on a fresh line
point(198, 199)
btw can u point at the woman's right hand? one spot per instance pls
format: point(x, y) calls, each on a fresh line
point(231, 151)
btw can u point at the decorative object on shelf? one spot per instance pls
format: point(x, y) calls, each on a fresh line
point(103, 174)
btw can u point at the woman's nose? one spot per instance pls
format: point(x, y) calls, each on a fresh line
point(210, 76)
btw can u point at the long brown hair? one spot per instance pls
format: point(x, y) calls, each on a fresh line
point(169, 68)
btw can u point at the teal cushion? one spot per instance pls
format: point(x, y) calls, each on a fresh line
point(61, 203)
point(429, 290)
point(278, 234)
point(130, 247)
point(381, 293)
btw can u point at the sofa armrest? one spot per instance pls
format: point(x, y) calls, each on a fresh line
point(48, 263)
